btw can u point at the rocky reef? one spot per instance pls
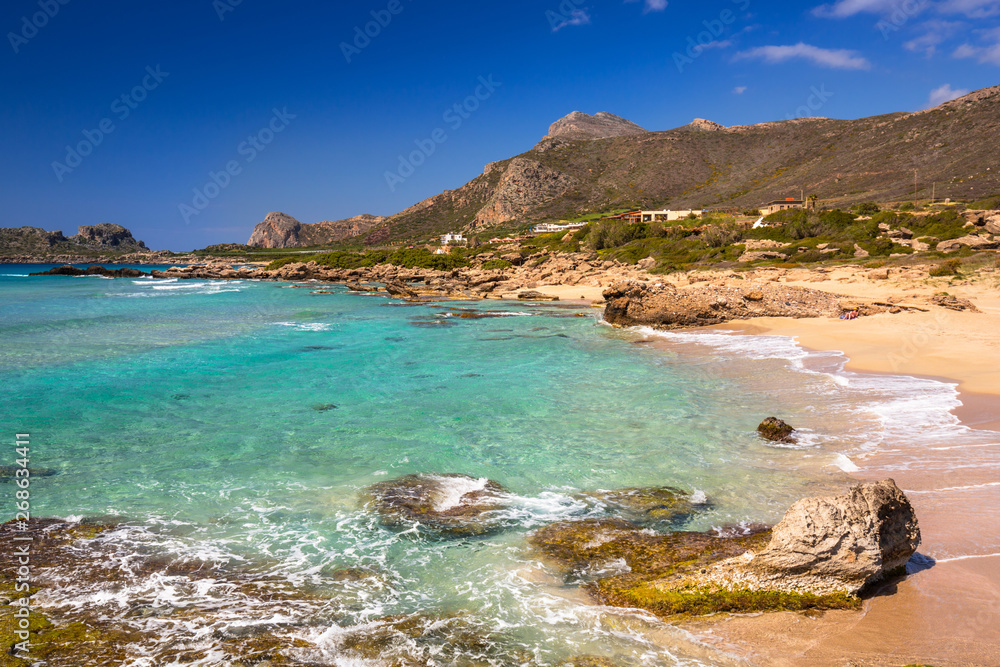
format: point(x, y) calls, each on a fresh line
point(453, 505)
point(822, 555)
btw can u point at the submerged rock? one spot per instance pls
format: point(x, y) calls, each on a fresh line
point(775, 430)
point(648, 504)
point(452, 504)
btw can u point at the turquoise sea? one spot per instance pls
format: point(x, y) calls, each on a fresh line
point(236, 423)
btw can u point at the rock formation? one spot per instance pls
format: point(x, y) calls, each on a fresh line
point(524, 185)
point(839, 543)
point(823, 553)
point(279, 230)
point(602, 125)
point(107, 236)
point(456, 505)
point(68, 270)
point(775, 430)
point(664, 306)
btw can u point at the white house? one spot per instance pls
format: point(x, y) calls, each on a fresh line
point(549, 228)
point(452, 238)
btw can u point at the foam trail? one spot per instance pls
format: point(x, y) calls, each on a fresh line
point(958, 488)
point(954, 558)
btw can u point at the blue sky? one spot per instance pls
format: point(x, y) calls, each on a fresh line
point(189, 121)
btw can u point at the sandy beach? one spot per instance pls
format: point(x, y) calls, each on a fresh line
point(948, 610)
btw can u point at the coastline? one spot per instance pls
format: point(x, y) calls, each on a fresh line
point(946, 611)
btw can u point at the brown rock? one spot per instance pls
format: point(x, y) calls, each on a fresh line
point(774, 429)
point(842, 542)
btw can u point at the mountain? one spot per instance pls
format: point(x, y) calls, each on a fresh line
point(104, 238)
point(279, 230)
point(602, 125)
point(598, 163)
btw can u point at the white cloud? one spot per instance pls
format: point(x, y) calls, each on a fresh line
point(908, 8)
point(739, 90)
point(724, 44)
point(944, 94)
point(975, 9)
point(833, 58)
point(937, 32)
point(988, 53)
point(844, 8)
point(576, 17)
point(652, 5)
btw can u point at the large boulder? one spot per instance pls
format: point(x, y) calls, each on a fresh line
point(663, 306)
point(775, 430)
point(971, 241)
point(842, 542)
point(452, 504)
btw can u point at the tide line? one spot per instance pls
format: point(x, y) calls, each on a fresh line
point(958, 488)
point(954, 558)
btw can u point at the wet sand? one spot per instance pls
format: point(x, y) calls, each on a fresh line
point(947, 611)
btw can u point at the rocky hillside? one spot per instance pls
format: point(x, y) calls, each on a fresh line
point(95, 240)
point(597, 163)
point(602, 125)
point(279, 230)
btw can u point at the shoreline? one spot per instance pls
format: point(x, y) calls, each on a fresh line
point(945, 611)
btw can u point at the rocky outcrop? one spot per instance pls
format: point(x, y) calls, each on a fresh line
point(32, 244)
point(334, 231)
point(775, 430)
point(602, 125)
point(524, 185)
point(664, 306)
point(838, 543)
point(823, 553)
point(971, 241)
point(648, 505)
point(455, 505)
point(68, 270)
point(107, 236)
point(703, 125)
point(278, 230)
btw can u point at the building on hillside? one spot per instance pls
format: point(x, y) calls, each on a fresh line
point(658, 216)
point(549, 228)
point(787, 204)
point(452, 238)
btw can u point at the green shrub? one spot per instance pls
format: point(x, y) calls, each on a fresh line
point(496, 264)
point(867, 208)
point(906, 206)
point(948, 268)
point(284, 261)
point(988, 203)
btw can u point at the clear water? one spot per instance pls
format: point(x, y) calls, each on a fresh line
point(191, 411)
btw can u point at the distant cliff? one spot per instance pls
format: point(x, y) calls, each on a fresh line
point(279, 230)
point(105, 239)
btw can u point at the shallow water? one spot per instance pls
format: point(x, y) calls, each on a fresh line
point(236, 423)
